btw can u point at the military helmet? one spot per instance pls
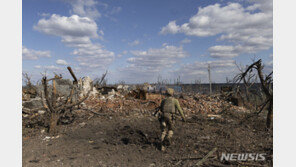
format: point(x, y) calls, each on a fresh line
point(170, 91)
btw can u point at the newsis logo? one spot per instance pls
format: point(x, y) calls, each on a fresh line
point(243, 156)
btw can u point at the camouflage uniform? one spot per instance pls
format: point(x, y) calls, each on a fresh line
point(168, 110)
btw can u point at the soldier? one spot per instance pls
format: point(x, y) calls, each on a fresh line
point(167, 108)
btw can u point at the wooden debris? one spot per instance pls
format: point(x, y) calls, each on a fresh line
point(199, 163)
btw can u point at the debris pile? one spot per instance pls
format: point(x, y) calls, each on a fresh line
point(199, 103)
point(127, 100)
point(143, 102)
point(85, 85)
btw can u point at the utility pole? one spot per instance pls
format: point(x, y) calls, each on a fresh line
point(210, 81)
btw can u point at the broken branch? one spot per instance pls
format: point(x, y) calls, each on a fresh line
point(199, 163)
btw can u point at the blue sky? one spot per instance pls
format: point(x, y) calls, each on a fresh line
point(138, 41)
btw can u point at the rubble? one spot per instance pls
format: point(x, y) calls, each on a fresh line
point(126, 100)
point(85, 84)
point(145, 103)
point(41, 111)
point(33, 103)
point(141, 102)
point(122, 88)
point(29, 91)
point(112, 92)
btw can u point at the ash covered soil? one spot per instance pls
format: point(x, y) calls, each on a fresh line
point(111, 139)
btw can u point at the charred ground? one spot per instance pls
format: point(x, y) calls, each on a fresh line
point(99, 137)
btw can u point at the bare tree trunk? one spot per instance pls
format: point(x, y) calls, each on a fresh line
point(53, 123)
point(54, 115)
point(54, 94)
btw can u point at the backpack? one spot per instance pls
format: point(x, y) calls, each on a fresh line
point(168, 106)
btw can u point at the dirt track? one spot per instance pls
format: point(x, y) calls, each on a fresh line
point(113, 140)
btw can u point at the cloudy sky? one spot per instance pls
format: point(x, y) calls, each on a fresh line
point(138, 41)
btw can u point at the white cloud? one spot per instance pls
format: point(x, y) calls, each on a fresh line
point(136, 74)
point(48, 67)
point(73, 28)
point(52, 67)
point(89, 8)
point(139, 73)
point(77, 32)
point(144, 65)
point(157, 58)
point(30, 54)
point(186, 40)
point(264, 5)
point(204, 65)
point(221, 51)
point(61, 62)
point(252, 31)
point(171, 28)
point(93, 56)
point(199, 70)
point(134, 43)
point(122, 53)
point(85, 8)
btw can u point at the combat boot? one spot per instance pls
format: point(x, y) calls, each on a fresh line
point(169, 137)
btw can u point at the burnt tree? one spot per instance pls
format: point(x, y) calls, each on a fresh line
point(55, 105)
point(102, 81)
point(266, 85)
point(248, 81)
